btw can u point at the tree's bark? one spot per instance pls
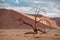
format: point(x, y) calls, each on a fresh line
point(35, 30)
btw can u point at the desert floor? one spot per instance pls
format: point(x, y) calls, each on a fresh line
point(18, 34)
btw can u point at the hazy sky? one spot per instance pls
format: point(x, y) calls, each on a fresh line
point(52, 7)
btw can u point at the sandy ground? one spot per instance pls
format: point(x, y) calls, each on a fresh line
point(18, 34)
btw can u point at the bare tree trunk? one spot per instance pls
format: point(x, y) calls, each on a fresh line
point(36, 14)
point(30, 26)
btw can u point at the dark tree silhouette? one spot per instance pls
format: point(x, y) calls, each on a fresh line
point(34, 27)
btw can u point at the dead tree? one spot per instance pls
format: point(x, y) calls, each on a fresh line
point(37, 11)
point(49, 22)
point(34, 27)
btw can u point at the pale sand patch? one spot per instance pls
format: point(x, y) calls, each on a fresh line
point(18, 34)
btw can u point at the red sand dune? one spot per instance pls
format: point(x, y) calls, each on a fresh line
point(8, 20)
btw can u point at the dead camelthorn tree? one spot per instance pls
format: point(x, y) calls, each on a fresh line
point(34, 27)
point(50, 23)
point(37, 11)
